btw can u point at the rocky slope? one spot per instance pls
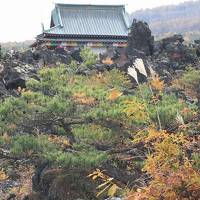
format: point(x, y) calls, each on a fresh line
point(168, 57)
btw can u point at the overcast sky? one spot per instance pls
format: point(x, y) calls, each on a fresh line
point(21, 19)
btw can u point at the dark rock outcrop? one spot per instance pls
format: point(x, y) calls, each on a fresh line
point(17, 68)
point(140, 40)
point(168, 57)
point(61, 184)
point(46, 57)
point(172, 56)
point(177, 53)
point(14, 74)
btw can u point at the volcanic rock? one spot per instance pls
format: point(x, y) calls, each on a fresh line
point(140, 40)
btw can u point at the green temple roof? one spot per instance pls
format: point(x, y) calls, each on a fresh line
point(89, 20)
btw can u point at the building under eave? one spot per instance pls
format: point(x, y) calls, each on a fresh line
point(96, 26)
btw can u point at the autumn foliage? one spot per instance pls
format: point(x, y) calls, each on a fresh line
point(137, 142)
point(172, 174)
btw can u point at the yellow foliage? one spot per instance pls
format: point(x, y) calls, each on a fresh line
point(134, 110)
point(107, 185)
point(107, 61)
point(154, 135)
point(114, 94)
point(112, 191)
point(63, 142)
point(20, 191)
point(21, 90)
point(3, 175)
point(157, 84)
point(173, 176)
point(97, 174)
point(182, 184)
point(99, 76)
point(83, 99)
point(12, 126)
point(6, 138)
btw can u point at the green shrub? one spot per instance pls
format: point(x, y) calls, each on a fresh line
point(61, 131)
point(84, 155)
point(191, 78)
point(2, 141)
point(53, 81)
point(89, 58)
point(167, 108)
point(94, 133)
point(11, 111)
point(81, 158)
point(117, 79)
point(23, 145)
point(73, 65)
point(196, 160)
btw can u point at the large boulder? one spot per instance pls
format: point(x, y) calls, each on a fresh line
point(3, 90)
point(140, 40)
point(43, 57)
point(75, 54)
point(171, 56)
point(50, 57)
point(178, 54)
point(15, 74)
point(61, 184)
point(16, 68)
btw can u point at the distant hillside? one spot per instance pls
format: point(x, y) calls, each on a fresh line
point(183, 18)
point(18, 46)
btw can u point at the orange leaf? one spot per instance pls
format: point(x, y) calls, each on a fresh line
point(114, 94)
point(107, 61)
point(3, 176)
point(157, 84)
